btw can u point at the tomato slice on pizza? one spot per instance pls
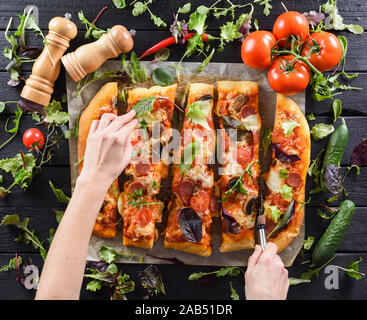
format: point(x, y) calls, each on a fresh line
point(102, 102)
point(286, 179)
point(138, 203)
point(193, 203)
point(237, 109)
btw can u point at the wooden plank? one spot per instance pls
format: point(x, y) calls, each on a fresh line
point(217, 289)
point(39, 194)
point(43, 218)
point(354, 11)
point(60, 154)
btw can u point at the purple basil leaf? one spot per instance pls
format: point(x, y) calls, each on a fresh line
point(151, 279)
point(359, 154)
point(332, 178)
point(179, 30)
point(244, 28)
point(314, 18)
point(173, 260)
point(100, 266)
point(13, 83)
point(30, 52)
point(190, 224)
point(230, 223)
point(31, 107)
point(282, 156)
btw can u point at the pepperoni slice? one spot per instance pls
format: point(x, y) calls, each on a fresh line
point(142, 168)
point(200, 201)
point(185, 189)
point(294, 180)
point(247, 111)
point(243, 156)
point(136, 186)
point(143, 216)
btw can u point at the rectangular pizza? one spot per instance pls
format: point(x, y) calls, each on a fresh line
point(240, 123)
point(193, 203)
point(286, 179)
point(103, 102)
point(138, 203)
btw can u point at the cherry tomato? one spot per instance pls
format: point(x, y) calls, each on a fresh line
point(144, 216)
point(329, 53)
point(256, 49)
point(33, 138)
point(290, 23)
point(287, 77)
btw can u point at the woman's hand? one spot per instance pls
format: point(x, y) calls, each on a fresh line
point(108, 148)
point(266, 278)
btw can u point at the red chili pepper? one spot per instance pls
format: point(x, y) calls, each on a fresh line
point(168, 42)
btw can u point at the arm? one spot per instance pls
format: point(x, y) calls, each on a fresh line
point(106, 156)
point(266, 278)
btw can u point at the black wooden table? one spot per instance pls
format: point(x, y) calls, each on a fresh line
point(38, 201)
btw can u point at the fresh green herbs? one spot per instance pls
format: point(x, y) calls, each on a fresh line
point(151, 279)
point(144, 106)
point(14, 263)
point(337, 109)
point(188, 156)
point(137, 200)
point(321, 130)
point(141, 7)
point(197, 113)
point(288, 126)
point(135, 70)
point(266, 4)
point(119, 4)
point(13, 131)
point(266, 140)
point(162, 76)
point(60, 195)
point(93, 32)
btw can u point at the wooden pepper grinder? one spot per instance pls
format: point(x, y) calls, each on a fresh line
point(91, 56)
point(46, 69)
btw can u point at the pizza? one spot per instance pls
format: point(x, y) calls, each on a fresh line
point(193, 201)
point(103, 102)
point(286, 179)
point(138, 203)
point(240, 123)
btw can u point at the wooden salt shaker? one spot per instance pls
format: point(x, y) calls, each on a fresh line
point(90, 57)
point(46, 68)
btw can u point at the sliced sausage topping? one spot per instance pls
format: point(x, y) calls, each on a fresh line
point(185, 189)
point(294, 180)
point(247, 111)
point(200, 201)
point(142, 168)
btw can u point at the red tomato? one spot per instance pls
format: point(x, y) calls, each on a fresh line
point(256, 49)
point(33, 138)
point(144, 216)
point(200, 201)
point(290, 23)
point(286, 78)
point(329, 53)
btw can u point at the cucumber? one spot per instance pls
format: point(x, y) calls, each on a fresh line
point(335, 149)
point(334, 234)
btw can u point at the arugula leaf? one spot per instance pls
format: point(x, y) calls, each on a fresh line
point(353, 269)
point(337, 109)
point(119, 4)
point(109, 255)
point(135, 70)
point(234, 295)
point(295, 281)
point(288, 126)
point(321, 130)
point(27, 236)
point(311, 117)
point(314, 271)
point(92, 30)
point(188, 156)
point(15, 129)
point(12, 264)
point(224, 271)
point(185, 9)
point(266, 4)
point(307, 243)
point(141, 7)
point(206, 61)
point(21, 167)
point(197, 113)
point(60, 195)
point(286, 192)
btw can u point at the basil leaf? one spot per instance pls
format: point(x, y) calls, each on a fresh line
point(162, 76)
point(60, 195)
point(144, 106)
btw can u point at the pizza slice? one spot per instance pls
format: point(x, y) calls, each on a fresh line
point(192, 203)
point(286, 179)
point(237, 109)
point(103, 102)
point(138, 203)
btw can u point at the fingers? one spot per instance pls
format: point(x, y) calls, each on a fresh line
point(127, 128)
point(120, 121)
point(252, 261)
point(93, 126)
point(105, 121)
point(270, 252)
point(128, 148)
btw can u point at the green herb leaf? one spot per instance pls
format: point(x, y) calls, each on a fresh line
point(185, 9)
point(266, 4)
point(307, 243)
point(321, 130)
point(54, 114)
point(273, 212)
point(311, 117)
point(188, 156)
point(60, 195)
point(162, 76)
point(162, 55)
point(119, 4)
point(139, 8)
point(234, 295)
point(206, 61)
point(144, 106)
point(288, 126)
point(135, 70)
point(266, 140)
point(197, 113)
point(283, 173)
point(286, 192)
point(337, 109)
point(12, 264)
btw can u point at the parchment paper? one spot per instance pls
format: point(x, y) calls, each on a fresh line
point(212, 73)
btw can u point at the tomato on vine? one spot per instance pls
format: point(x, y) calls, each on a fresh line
point(256, 49)
point(326, 50)
point(288, 75)
point(33, 139)
point(290, 23)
